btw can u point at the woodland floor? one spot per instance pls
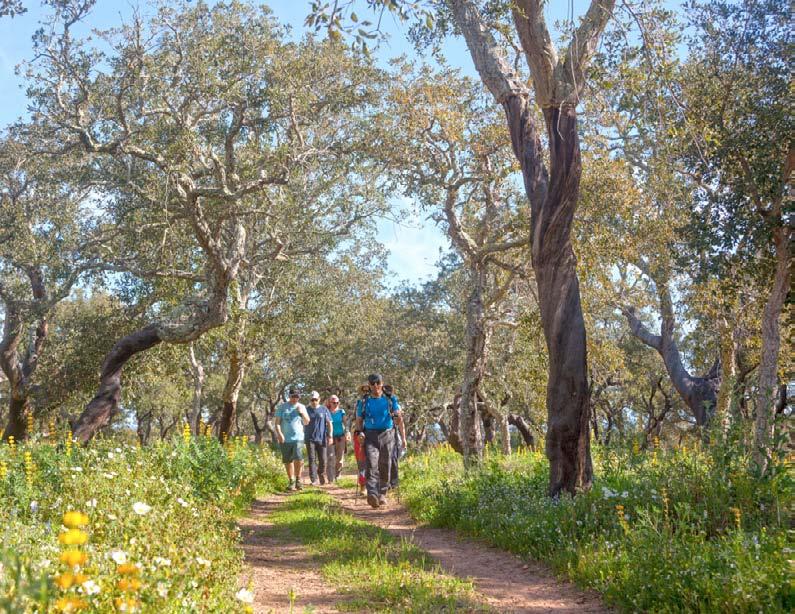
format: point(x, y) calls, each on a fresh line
point(278, 565)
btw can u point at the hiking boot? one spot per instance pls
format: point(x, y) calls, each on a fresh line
point(298, 485)
point(291, 487)
point(382, 501)
point(373, 501)
point(322, 480)
point(313, 482)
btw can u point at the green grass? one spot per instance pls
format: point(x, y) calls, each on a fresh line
point(346, 482)
point(662, 531)
point(377, 571)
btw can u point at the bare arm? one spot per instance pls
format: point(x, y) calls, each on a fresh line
point(279, 434)
point(402, 428)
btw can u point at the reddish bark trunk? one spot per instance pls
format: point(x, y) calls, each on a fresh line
point(524, 430)
point(105, 403)
point(16, 426)
point(553, 201)
point(234, 380)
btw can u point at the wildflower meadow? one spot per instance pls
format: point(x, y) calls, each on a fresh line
point(116, 527)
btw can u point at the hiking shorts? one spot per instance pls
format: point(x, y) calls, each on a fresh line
point(292, 451)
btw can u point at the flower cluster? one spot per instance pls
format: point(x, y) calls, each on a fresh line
point(72, 579)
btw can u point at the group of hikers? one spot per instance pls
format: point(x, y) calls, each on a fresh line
point(379, 438)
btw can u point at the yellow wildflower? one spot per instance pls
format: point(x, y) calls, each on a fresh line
point(74, 520)
point(70, 604)
point(73, 537)
point(129, 584)
point(126, 604)
point(128, 569)
point(73, 558)
point(65, 580)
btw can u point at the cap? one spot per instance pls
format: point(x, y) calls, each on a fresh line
point(314, 395)
point(374, 378)
point(334, 398)
point(293, 392)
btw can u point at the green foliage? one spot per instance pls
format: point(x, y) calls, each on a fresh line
point(664, 531)
point(168, 509)
point(380, 572)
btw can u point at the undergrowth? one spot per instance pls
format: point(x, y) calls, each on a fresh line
point(661, 530)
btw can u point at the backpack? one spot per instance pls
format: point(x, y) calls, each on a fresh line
point(390, 404)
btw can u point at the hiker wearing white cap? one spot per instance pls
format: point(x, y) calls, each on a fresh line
point(340, 436)
point(317, 436)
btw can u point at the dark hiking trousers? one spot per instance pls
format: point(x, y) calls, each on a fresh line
point(316, 457)
point(378, 446)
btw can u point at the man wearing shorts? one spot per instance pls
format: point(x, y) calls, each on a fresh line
point(291, 417)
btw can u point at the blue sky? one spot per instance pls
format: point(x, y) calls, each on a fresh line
point(414, 243)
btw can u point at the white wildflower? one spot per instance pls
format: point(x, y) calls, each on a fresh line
point(91, 503)
point(202, 561)
point(159, 561)
point(162, 589)
point(182, 502)
point(140, 508)
point(119, 556)
point(34, 506)
point(89, 587)
point(245, 596)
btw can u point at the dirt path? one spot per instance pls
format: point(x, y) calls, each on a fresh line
point(277, 565)
point(505, 581)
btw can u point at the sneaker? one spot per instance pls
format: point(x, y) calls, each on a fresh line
point(291, 487)
point(314, 483)
point(322, 480)
point(373, 501)
point(382, 500)
point(298, 485)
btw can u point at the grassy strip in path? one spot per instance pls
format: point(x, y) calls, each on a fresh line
point(380, 572)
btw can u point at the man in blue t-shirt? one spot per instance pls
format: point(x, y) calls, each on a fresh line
point(291, 417)
point(317, 437)
point(376, 415)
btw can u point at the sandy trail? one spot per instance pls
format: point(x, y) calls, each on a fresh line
point(277, 564)
point(505, 582)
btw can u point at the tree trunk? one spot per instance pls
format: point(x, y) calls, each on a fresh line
point(453, 434)
point(186, 323)
point(477, 336)
point(197, 373)
point(728, 381)
point(698, 393)
point(558, 81)
point(105, 403)
point(489, 428)
point(524, 430)
point(16, 426)
point(767, 391)
point(234, 381)
point(144, 428)
point(505, 436)
point(17, 369)
point(568, 404)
